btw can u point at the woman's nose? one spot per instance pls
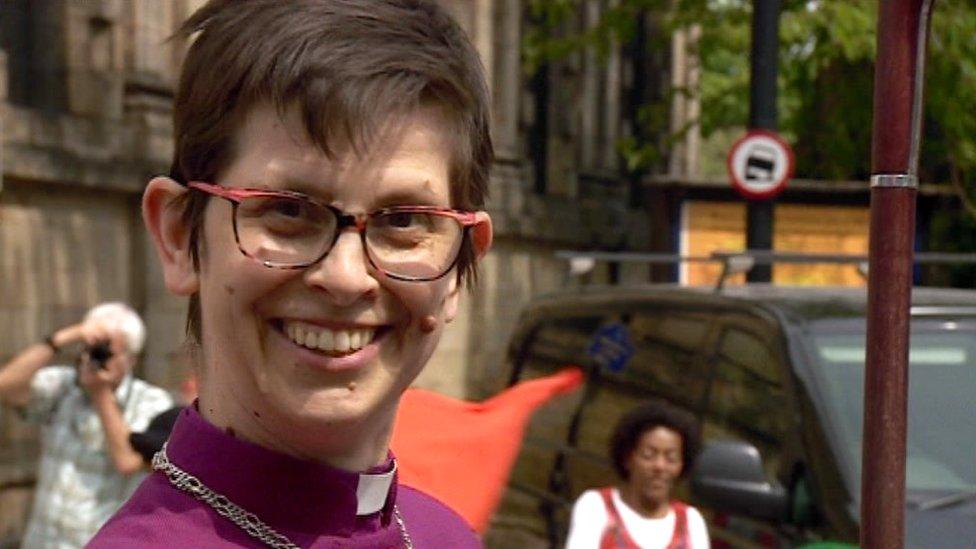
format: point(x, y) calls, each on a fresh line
point(344, 273)
point(659, 462)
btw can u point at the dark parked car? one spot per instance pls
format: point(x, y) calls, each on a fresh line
point(776, 377)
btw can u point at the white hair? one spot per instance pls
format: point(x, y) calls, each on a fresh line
point(121, 317)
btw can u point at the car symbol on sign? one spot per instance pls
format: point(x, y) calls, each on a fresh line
point(760, 163)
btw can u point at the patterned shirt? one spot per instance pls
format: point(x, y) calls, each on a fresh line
point(78, 487)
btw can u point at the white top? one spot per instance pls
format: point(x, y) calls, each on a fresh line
point(590, 519)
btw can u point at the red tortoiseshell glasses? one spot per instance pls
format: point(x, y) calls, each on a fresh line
point(290, 230)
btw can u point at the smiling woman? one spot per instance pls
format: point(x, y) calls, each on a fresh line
point(336, 292)
point(653, 446)
point(347, 146)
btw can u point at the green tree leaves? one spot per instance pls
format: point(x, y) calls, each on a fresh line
point(826, 75)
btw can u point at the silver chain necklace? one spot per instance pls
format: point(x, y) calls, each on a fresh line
point(245, 520)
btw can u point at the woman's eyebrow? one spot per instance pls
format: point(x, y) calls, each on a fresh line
point(410, 194)
point(319, 191)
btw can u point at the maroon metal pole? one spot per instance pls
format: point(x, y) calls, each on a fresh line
point(902, 38)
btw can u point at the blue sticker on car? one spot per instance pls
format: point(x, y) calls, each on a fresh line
point(611, 347)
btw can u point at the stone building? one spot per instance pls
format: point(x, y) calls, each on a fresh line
point(85, 107)
point(85, 96)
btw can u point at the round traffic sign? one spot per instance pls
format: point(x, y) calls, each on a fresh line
point(760, 164)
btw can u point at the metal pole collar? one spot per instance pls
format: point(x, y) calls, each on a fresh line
point(894, 181)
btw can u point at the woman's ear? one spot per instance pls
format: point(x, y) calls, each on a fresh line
point(164, 220)
point(482, 234)
point(452, 299)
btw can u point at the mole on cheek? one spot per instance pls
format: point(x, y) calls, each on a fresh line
point(351, 386)
point(229, 288)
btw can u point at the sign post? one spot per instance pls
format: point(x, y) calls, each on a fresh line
point(763, 114)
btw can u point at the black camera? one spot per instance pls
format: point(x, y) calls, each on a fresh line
point(99, 354)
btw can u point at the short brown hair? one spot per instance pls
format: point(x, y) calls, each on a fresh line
point(348, 66)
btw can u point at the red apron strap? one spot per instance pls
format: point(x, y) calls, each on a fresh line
point(615, 535)
point(680, 538)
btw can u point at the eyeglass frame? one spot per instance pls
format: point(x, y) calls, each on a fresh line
point(236, 195)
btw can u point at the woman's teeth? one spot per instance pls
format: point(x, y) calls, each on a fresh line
point(329, 341)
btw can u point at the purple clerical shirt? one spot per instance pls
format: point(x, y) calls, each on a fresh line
point(312, 504)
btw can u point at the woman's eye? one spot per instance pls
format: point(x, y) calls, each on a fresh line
point(276, 208)
point(286, 208)
point(400, 220)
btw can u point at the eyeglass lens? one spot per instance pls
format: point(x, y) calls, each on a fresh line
point(293, 232)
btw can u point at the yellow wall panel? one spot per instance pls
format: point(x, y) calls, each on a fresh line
point(720, 226)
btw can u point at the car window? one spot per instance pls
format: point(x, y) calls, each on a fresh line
point(534, 494)
point(669, 361)
point(941, 442)
point(666, 359)
point(590, 465)
point(556, 344)
point(747, 399)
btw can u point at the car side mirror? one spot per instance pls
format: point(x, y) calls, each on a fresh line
point(729, 477)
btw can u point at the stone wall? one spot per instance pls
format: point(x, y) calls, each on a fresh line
point(83, 130)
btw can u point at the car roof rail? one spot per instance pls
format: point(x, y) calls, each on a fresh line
point(583, 262)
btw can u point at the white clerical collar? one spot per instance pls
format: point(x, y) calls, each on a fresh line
point(372, 491)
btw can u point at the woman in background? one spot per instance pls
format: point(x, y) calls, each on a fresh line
point(652, 448)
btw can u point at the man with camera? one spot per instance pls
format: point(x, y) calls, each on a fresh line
point(87, 411)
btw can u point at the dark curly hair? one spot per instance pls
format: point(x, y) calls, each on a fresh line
point(646, 417)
